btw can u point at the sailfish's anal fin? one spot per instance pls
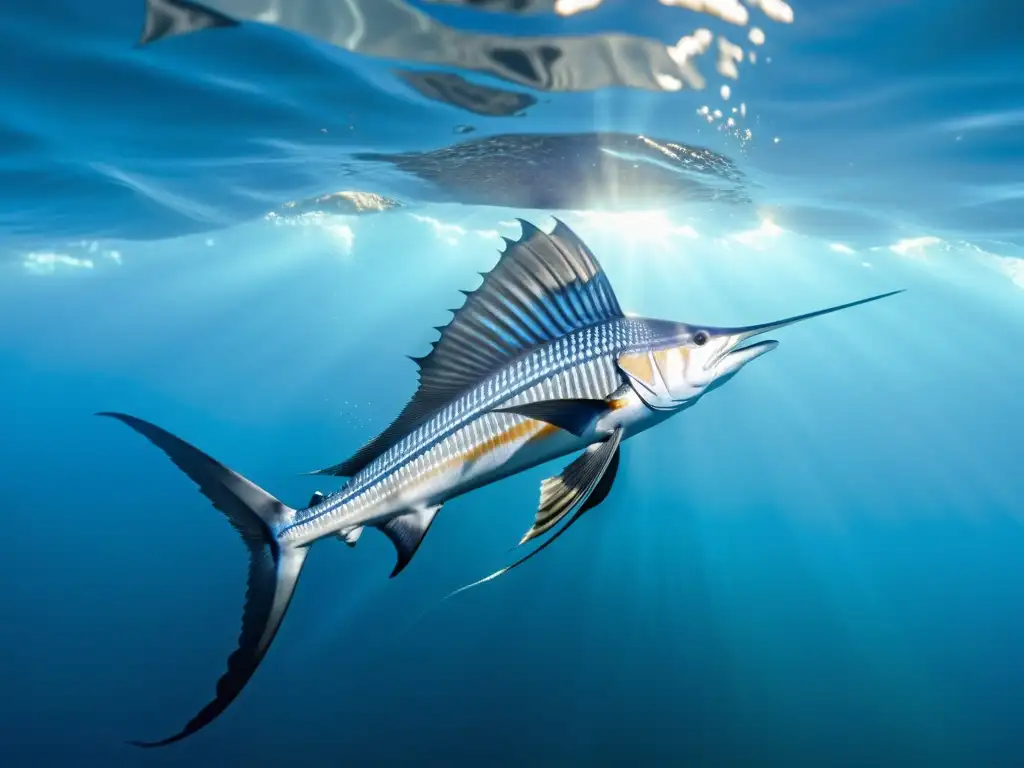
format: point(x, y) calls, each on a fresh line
point(544, 286)
point(406, 532)
point(602, 462)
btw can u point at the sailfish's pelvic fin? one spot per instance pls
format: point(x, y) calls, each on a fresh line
point(582, 486)
point(543, 287)
point(584, 483)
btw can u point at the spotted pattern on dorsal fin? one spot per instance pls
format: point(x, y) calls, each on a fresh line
point(543, 287)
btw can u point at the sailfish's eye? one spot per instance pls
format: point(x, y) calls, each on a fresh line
point(700, 338)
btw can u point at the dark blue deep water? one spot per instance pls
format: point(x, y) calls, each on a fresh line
point(820, 564)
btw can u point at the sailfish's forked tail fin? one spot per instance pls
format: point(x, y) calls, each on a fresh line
point(273, 567)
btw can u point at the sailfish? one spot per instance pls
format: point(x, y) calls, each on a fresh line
point(538, 363)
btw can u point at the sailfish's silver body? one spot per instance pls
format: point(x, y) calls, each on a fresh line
point(466, 444)
point(538, 363)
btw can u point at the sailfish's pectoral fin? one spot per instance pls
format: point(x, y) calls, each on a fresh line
point(584, 484)
point(572, 415)
point(406, 533)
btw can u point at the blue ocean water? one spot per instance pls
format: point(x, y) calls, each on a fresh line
point(821, 563)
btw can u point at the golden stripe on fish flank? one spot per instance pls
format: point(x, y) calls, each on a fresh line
point(520, 430)
point(546, 431)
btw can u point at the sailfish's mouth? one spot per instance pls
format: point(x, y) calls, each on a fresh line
point(744, 352)
point(740, 353)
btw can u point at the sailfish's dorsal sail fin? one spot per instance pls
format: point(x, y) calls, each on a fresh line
point(543, 287)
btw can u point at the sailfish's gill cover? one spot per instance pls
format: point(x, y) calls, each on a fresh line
point(545, 307)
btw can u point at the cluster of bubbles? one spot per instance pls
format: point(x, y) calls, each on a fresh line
point(729, 55)
point(731, 118)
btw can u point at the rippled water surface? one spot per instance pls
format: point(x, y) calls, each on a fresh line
point(237, 219)
point(865, 121)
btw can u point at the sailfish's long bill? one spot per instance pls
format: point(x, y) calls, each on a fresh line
point(736, 353)
point(539, 362)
